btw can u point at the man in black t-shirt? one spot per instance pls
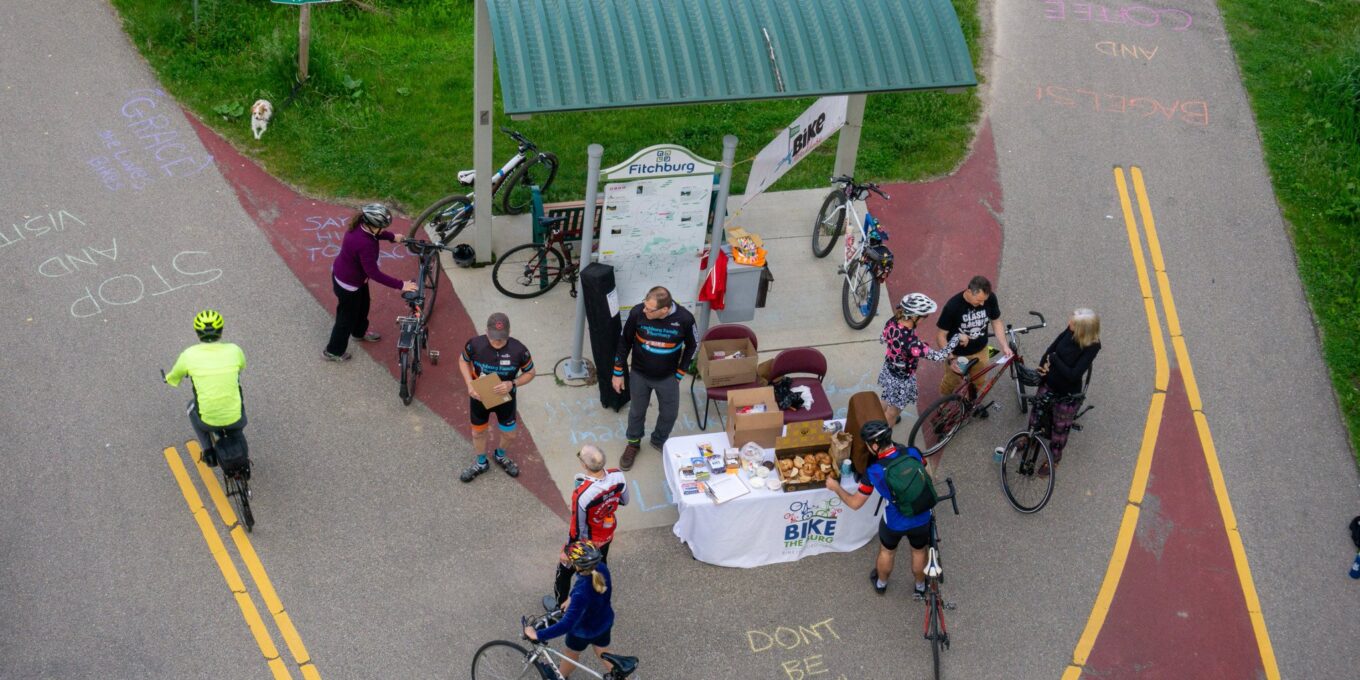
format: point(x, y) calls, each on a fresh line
point(968, 314)
point(499, 354)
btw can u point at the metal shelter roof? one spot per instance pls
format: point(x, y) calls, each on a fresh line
point(565, 55)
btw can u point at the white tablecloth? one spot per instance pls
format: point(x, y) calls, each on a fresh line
point(764, 526)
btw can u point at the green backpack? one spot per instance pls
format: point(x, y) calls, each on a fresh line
point(913, 492)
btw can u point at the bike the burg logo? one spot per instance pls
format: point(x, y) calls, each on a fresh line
point(661, 165)
point(811, 522)
point(799, 141)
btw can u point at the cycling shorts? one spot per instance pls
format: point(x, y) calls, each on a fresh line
point(481, 415)
point(918, 537)
point(576, 644)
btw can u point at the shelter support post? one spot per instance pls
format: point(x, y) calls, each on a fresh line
point(729, 157)
point(482, 91)
point(847, 145)
point(576, 367)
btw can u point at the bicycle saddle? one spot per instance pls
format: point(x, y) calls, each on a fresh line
point(623, 665)
point(411, 296)
point(467, 177)
point(933, 569)
point(550, 221)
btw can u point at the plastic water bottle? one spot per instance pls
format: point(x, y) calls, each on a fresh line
point(998, 454)
point(1355, 566)
point(847, 476)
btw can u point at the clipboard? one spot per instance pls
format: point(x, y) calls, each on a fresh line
point(484, 386)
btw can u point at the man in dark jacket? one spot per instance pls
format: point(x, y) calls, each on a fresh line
point(662, 339)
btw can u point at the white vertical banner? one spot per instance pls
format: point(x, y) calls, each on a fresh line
point(807, 132)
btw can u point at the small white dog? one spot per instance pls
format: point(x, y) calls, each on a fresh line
point(260, 114)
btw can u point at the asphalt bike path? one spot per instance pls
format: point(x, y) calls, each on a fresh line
point(1134, 184)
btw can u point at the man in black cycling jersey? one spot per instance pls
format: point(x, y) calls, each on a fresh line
point(499, 354)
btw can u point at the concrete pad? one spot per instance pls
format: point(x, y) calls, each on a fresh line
point(803, 309)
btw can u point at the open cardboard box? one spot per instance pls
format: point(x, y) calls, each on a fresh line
point(726, 371)
point(761, 428)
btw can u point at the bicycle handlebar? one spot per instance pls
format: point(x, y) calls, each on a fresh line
point(949, 481)
point(416, 244)
point(868, 186)
point(521, 139)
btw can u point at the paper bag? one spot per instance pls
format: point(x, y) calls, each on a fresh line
point(840, 450)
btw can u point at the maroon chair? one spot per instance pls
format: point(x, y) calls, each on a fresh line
point(727, 331)
point(804, 360)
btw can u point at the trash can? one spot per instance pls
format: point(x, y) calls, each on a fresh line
point(743, 286)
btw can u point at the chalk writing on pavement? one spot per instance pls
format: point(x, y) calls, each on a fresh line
point(1130, 15)
point(1075, 99)
point(801, 646)
point(145, 145)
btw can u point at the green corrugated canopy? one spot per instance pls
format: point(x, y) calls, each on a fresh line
point(567, 55)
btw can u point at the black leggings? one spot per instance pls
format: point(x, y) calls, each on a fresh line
point(351, 317)
point(562, 583)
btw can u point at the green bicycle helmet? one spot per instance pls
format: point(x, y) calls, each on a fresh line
point(208, 325)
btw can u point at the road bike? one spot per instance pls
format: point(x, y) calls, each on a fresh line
point(413, 329)
point(235, 478)
point(944, 418)
point(505, 660)
point(935, 630)
point(1027, 466)
point(533, 269)
point(867, 260)
point(446, 218)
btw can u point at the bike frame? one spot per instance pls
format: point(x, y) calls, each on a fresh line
point(543, 653)
point(854, 247)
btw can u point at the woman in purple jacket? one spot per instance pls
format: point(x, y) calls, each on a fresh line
point(354, 266)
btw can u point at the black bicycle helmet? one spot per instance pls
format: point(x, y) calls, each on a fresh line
point(377, 215)
point(464, 255)
point(583, 555)
point(875, 432)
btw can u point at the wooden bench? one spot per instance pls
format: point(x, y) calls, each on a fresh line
point(574, 211)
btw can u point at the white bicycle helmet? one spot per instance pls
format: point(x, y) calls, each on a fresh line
point(917, 304)
point(377, 215)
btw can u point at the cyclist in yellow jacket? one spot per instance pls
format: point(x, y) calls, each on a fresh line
point(215, 367)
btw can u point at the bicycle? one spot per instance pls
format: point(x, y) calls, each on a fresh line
point(236, 480)
point(951, 412)
point(1027, 467)
point(505, 660)
point(867, 260)
point(532, 269)
point(413, 329)
point(446, 218)
point(935, 628)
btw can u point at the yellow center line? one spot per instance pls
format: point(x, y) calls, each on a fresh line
point(224, 563)
point(255, 567)
point(1138, 486)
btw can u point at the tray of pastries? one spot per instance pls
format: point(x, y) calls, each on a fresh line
point(804, 467)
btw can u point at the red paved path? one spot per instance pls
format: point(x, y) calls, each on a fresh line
point(1179, 611)
point(307, 234)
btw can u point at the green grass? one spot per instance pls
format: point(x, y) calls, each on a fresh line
point(387, 111)
point(1300, 62)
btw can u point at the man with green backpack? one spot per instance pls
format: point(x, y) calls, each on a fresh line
point(899, 475)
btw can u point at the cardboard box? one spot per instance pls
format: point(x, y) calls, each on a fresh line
point(864, 407)
point(761, 428)
point(725, 372)
point(484, 385)
point(817, 479)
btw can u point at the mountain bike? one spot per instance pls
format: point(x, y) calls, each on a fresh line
point(867, 260)
point(235, 476)
point(444, 220)
point(413, 329)
point(505, 660)
point(935, 628)
point(944, 418)
point(533, 269)
point(1027, 466)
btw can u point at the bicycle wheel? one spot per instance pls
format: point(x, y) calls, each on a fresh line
point(432, 272)
point(830, 223)
point(444, 220)
point(528, 271)
point(408, 377)
point(1027, 472)
point(859, 295)
point(502, 660)
point(934, 614)
point(516, 195)
point(239, 490)
point(945, 418)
